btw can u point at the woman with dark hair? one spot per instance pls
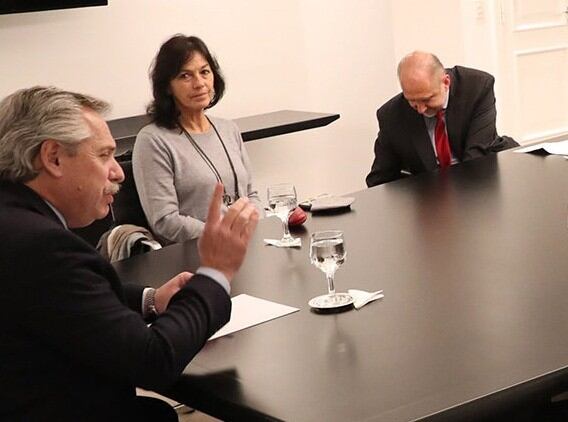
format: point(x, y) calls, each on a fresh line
point(183, 153)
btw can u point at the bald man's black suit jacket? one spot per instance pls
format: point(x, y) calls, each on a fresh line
point(73, 344)
point(403, 142)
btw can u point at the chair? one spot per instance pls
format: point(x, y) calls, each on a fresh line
point(126, 208)
point(93, 232)
point(130, 231)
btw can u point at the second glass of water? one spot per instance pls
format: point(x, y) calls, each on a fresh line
point(327, 252)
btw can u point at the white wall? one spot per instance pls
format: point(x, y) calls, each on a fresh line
point(350, 69)
point(316, 55)
point(107, 50)
point(433, 25)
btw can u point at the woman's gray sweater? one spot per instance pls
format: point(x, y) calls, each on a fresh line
point(174, 182)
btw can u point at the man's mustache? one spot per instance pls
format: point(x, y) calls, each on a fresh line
point(112, 189)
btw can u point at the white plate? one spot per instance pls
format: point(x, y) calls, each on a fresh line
point(325, 302)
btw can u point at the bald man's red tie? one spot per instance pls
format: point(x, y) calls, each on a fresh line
point(442, 142)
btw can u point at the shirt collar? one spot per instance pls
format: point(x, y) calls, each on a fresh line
point(447, 99)
point(58, 214)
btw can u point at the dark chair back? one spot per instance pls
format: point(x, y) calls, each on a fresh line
point(93, 232)
point(126, 208)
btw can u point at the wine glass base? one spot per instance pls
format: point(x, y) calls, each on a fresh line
point(329, 302)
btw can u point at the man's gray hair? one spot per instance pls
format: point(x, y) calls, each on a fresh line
point(30, 116)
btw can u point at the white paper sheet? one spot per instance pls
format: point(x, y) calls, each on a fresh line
point(249, 311)
point(557, 148)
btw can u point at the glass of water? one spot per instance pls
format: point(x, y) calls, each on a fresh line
point(327, 252)
point(282, 201)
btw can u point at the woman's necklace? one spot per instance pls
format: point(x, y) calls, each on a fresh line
point(227, 200)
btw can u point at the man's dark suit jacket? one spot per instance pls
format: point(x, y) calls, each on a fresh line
point(403, 142)
point(70, 348)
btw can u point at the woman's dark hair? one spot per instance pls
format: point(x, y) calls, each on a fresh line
point(171, 57)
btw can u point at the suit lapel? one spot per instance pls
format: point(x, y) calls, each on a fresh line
point(452, 116)
point(421, 140)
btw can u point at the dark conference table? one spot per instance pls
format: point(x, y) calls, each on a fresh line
point(474, 267)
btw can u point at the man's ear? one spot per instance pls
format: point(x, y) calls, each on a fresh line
point(446, 80)
point(49, 157)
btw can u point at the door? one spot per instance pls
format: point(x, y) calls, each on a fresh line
point(533, 63)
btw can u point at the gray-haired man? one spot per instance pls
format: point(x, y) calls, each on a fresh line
point(74, 340)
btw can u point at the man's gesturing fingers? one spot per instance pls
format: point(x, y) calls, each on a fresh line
point(250, 227)
point(233, 212)
point(224, 241)
point(243, 219)
point(214, 213)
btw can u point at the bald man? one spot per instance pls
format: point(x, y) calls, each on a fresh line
point(442, 117)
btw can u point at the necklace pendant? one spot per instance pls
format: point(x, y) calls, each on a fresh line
point(227, 200)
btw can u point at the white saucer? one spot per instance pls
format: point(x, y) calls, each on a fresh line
point(324, 302)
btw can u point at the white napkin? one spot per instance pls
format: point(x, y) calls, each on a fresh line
point(297, 243)
point(361, 297)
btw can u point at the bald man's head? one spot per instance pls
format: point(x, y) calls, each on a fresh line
point(424, 82)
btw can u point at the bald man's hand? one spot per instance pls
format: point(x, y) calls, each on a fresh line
point(225, 239)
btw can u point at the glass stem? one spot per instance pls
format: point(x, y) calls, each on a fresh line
point(287, 235)
point(330, 285)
